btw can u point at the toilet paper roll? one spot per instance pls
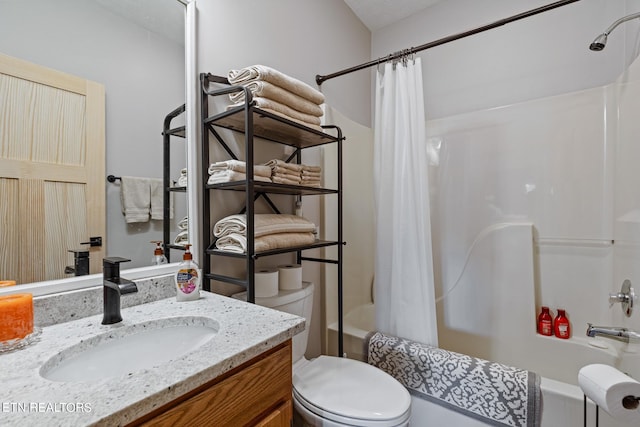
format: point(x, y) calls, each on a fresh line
point(611, 390)
point(290, 277)
point(266, 282)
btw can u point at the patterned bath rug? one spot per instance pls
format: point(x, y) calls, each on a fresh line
point(491, 392)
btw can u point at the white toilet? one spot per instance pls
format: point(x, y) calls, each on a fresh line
point(335, 391)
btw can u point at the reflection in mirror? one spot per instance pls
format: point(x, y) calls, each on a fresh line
point(135, 50)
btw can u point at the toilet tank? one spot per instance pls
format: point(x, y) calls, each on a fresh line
point(298, 302)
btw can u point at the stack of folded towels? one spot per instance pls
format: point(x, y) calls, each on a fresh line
point(279, 94)
point(272, 231)
point(236, 170)
point(294, 174)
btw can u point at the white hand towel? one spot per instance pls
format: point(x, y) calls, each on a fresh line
point(135, 196)
point(157, 200)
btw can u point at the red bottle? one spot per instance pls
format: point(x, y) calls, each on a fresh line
point(562, 328)
point(544, 322)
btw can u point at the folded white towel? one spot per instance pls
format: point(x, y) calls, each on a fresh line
point(264, 224)
point(293, 119)
point(280, 180)
point(135, 196)
point(268, 74)
point(221, 176)
point(284, 110)
point(239, 166)
point(267, 90)
point(237, 243)
point(278, 165)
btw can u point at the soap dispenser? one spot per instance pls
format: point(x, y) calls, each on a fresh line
point(188, 278)
point(158, 254)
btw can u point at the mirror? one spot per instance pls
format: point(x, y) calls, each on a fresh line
point(136, 50)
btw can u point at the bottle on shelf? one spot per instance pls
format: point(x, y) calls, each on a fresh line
point(562, 328)
point(158, 254)
point(545, 326)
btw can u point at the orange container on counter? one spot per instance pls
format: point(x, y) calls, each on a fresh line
point(16, 316)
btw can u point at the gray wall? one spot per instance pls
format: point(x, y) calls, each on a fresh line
point(536, 57)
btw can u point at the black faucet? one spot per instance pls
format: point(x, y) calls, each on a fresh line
point(80, 263)
point(113, 286)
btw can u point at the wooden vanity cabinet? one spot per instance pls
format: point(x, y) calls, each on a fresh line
point(257, 393)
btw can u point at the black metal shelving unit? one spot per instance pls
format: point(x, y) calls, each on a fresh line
point(167, 133)
point(256, 124)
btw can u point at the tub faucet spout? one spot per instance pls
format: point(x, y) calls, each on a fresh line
point(612, 332)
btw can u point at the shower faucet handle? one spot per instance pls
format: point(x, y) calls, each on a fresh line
point(626, 297)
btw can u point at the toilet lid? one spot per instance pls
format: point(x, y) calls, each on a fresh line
point(343, 388)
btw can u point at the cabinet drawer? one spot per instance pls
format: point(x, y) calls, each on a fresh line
point(257, 393)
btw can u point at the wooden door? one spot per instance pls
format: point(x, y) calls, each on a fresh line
point(52, 170)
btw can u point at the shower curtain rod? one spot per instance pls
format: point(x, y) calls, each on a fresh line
point(397, 55)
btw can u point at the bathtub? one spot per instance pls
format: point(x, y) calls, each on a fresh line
point(357, 324)
point(562, 399)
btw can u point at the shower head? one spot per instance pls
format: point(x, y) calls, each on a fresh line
point(600, 42)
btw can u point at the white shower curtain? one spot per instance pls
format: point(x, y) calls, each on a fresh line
point(404, 284)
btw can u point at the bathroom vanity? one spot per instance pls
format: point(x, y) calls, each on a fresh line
point(239, 372)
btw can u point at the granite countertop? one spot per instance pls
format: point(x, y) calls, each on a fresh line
point(26, 399)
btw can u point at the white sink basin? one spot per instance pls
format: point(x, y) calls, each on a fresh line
point(128, 349)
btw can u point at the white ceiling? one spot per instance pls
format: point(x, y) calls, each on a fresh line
point(376, 14)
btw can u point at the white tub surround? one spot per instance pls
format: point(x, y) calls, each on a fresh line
point(245, 331)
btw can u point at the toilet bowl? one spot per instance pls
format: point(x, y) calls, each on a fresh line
point(335, 391)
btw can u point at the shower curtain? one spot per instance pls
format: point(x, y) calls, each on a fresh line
point(404, 284)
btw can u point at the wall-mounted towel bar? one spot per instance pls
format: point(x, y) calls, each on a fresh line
point(113, 178)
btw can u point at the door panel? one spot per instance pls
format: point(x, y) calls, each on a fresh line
point(52, 137)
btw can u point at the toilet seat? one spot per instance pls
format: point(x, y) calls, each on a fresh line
point(350, 392)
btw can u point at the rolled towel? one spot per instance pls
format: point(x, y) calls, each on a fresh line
point(268, 74)
point(181, 238)
point(184, 223)
point(264, 89)
point(239, 166)
point(263, 224)
point(182, 179)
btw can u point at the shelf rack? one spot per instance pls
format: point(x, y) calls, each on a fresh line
point(257, 124)
point(167, 132)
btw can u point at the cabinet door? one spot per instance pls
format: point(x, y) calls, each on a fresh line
point(263, 386)
point(281, 417)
